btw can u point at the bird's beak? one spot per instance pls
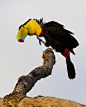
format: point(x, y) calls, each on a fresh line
point(22, 34)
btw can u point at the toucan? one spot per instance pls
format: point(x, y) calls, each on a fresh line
point(55, 35)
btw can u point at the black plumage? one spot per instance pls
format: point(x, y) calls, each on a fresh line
point(59, 39)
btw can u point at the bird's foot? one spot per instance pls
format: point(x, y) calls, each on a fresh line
point(52, 49)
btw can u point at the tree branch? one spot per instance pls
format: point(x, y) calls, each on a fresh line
point(18, 97)
point(26, 82)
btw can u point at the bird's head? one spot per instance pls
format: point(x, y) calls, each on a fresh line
point(31, 27)
point(22, 34)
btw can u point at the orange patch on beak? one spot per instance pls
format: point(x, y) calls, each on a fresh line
point(22, 32)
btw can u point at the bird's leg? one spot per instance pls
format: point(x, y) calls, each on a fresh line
point(40, 40)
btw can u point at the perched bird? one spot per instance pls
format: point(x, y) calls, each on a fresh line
point(55, 35)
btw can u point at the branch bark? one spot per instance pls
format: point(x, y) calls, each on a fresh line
point(26, 82)
point(18, 97)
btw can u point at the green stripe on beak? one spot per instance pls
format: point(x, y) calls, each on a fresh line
point(22, 34)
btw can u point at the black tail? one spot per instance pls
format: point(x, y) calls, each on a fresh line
point(70, 68)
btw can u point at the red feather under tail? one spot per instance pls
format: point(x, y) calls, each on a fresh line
point(65, 53)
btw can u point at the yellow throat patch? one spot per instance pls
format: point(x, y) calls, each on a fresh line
point(33, 28)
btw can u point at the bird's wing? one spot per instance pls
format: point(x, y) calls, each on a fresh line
point(60, 34)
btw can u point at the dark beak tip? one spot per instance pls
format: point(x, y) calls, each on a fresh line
point(20, 40)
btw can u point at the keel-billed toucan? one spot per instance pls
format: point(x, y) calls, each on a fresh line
point(55, 36)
